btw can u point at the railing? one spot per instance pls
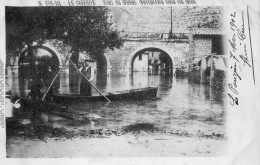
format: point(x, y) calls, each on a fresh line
point(155, 36)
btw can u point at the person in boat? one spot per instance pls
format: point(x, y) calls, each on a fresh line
point(36, 81)
point(87, 70)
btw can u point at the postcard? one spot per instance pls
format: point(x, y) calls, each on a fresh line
point(129, 81)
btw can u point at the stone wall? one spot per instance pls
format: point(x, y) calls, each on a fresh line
point(203, 45)
point(157, 19)
point(118, 60)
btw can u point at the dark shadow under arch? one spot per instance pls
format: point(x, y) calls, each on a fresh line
point(25, 63)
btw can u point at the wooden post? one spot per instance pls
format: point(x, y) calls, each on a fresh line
point(201, 73)
point(211, 67)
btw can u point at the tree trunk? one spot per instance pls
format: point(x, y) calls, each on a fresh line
point(75, 57)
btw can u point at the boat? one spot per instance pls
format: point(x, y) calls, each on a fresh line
point(132, 94)
point(25, 108)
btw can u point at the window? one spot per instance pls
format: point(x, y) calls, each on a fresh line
point(217, 45)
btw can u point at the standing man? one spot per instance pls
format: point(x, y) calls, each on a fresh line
point(151, 69)
point(87, 70)
point(36, 81)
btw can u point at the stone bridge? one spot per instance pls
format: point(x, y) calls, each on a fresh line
point(118, 61)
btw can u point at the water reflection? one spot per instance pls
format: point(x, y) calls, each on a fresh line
point(64, 85)
point(179, 104)
point(12, 86)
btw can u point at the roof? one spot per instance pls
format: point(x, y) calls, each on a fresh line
point(206, 31)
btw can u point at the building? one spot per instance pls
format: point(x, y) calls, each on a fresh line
point(207, 55)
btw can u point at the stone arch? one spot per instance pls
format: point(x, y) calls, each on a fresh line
point(133, 55)
point(47, 47)
point(24, 79)
point(52, 48)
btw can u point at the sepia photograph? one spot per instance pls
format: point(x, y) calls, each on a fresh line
point(116, 81)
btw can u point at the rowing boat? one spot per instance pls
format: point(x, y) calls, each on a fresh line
point(133, 94)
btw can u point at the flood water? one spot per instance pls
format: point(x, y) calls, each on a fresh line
point(179, 104)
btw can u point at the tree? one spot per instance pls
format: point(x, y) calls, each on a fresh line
point(83, 28)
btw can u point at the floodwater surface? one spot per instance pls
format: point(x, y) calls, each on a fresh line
point(180, 104)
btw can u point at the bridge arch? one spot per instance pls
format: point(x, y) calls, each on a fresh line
point(52, 51)
point(48, 55)
point(134, 54)
point(46, 47)
point(55, 51)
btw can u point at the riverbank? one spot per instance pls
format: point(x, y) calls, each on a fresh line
point(140, 140)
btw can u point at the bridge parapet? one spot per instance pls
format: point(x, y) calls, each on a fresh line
point(158, 37)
